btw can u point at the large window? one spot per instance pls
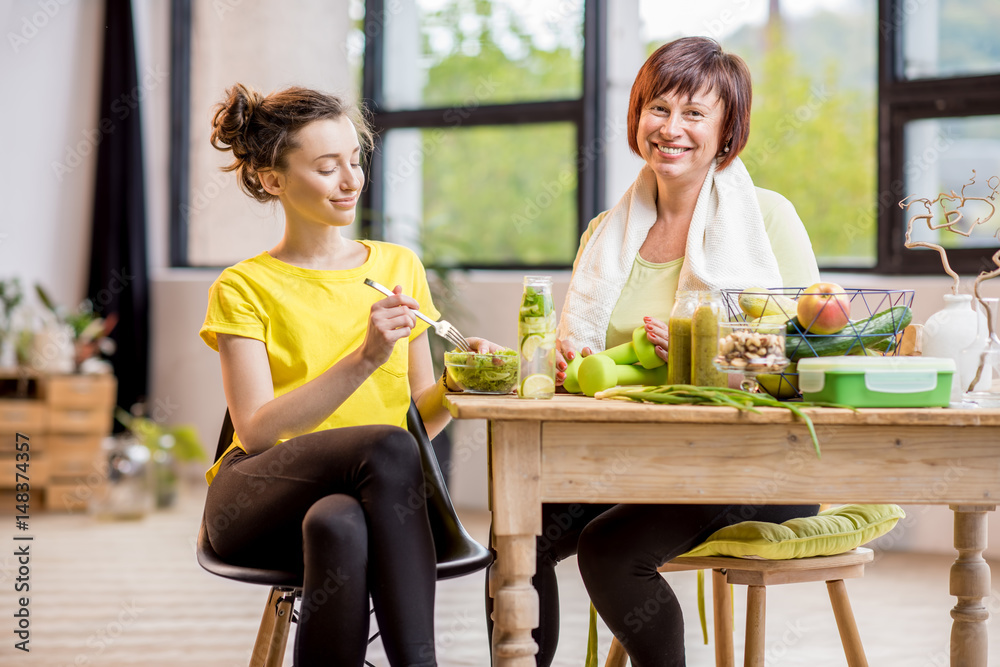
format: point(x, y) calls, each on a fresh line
point(487, 113)
point(939, 85)
point(490, 117)
point(214, 45)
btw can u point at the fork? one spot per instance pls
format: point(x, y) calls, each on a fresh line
point(442, 328)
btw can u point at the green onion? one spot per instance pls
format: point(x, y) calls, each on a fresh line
point(686, 394)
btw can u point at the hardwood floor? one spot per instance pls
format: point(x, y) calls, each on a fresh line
point(125, 594)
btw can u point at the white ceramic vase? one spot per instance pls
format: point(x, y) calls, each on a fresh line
point(52, 350)
point(986, 393)
point(956, 332)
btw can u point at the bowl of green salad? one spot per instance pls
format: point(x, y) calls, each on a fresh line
point(476, 373)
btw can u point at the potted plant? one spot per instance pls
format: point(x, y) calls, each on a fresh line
point(77, 336)
point(167, 445)
point(10, 298)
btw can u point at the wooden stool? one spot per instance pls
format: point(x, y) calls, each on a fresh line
point(756, 575)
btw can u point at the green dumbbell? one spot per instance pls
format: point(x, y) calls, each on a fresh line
point(572, 382)
point(599, 372)
point(645, 351)
point(639, 349)
point(620, 354)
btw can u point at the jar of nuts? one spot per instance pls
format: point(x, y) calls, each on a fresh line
point(751, 348)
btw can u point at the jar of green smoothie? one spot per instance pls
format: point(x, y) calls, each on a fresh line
point(705, 340)
point(679, 337)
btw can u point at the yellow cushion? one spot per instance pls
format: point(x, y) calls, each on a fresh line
point(830, 532)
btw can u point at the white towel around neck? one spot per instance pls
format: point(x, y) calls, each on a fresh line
point(727, 248)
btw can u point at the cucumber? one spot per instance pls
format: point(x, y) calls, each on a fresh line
point(875, 332)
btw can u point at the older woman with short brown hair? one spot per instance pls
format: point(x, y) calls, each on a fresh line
point(693, 220)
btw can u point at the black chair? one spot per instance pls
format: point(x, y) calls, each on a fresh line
point(457, 552)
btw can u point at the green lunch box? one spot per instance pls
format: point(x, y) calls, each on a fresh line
point(877, 382)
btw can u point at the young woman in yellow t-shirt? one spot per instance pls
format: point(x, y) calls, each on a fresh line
point(318, 371)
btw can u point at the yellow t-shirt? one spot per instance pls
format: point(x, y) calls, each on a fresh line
point(310, 319)
point(650, 288)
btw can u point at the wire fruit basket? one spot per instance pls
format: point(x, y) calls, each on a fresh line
point(877, 318)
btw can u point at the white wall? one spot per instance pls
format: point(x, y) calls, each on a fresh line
point(185, 380)
point(51, 111)
point(49, 72)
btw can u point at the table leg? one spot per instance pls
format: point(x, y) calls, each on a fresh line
point(970, 583)
point(515, 608)
point(515, 469)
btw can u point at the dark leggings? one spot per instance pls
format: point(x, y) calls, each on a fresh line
point(326, 504)
point(619, 548)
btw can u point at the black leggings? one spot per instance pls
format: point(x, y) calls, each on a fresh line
point(326, 504)
point(619, 548)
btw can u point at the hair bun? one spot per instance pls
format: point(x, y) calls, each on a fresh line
point(233, 117)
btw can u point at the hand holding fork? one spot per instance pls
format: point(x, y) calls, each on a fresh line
point(442, 328)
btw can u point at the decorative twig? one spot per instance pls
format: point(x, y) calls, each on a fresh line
point(951, 218)
point(985, 275)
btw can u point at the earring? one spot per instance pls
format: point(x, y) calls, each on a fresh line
point(726, 149)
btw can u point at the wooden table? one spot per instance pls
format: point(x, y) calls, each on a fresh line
point(578, 449)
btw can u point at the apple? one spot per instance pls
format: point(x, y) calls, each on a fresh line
point(824, 308)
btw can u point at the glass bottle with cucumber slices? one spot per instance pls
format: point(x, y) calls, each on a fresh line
point(536, 333)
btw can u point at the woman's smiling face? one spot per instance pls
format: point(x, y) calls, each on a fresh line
point(323, 178)
point(679, 136)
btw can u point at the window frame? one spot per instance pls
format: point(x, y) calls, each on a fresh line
point(178, 189)
point(587, 113)
point(900, 101)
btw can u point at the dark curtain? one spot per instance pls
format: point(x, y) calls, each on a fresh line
point(118, 281)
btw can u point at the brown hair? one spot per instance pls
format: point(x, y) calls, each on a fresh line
point(260, 130)
point(689, 65)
